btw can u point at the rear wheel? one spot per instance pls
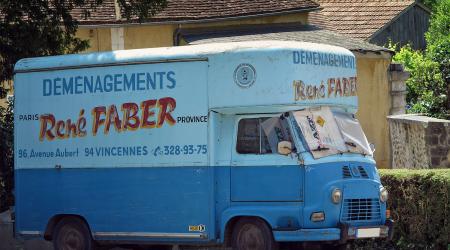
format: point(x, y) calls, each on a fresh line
point(252, 234)
point(72, 234)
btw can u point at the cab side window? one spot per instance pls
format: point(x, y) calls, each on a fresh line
point(251, 138)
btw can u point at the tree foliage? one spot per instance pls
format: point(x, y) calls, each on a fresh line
point(426, 87)
point(429, 84)
point(6, 157)
point(430, 3)
point(31, 28)
point(438, 42)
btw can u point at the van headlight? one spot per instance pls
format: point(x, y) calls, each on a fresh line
point(383, 194)
point(336, 195)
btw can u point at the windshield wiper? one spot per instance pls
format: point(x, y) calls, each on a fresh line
point(320, 149)
point(351, 144)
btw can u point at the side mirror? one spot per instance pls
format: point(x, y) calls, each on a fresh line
point(372, 147)
point(284, 147)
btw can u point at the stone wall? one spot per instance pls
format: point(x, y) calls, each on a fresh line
point(419, 142)
point(397, 80)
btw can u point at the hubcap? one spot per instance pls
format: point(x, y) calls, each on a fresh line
point(71, 239)
point(250, 238)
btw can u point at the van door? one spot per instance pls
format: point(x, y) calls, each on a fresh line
point(258, 172)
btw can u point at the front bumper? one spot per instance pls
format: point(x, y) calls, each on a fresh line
point(352, 233)
point(341, 234)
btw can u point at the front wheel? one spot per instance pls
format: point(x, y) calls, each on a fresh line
point(72, 234)
point(252, 234)
point(334, 247)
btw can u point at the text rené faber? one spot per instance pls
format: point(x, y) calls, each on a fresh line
point(147, 114)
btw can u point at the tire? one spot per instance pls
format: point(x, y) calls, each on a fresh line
point(72, 234)
point(252, 234)
point(333, 246)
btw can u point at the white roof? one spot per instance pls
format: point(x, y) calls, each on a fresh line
point(199, 52)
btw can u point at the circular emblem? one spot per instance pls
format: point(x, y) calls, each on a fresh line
point(244, 75)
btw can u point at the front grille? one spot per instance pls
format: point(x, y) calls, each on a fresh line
point(355, 210)
point(354, 171)
point(363, 172)
point(346, 172)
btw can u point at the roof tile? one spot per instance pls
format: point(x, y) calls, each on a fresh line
point(357, 18)
point(193, 10)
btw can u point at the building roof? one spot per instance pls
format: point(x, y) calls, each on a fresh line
point(358, 18)
point(106, 12)
point(294, 32)
point(199, 10)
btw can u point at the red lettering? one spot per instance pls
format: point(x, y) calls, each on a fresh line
point(60, 129)
point(166, 106)
point(47, 132)
point(338, 87)
point(130, 119)
point(97, 121)
point(71, 129)
point(345, 86)
point(146, 107)
point(330, 86)
point(353, 83)
point(113, 117)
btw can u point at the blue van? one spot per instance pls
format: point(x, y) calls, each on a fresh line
point(246, 144)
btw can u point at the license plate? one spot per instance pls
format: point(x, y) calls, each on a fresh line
point(368, 232)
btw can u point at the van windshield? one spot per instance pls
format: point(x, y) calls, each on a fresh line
point(328, 132)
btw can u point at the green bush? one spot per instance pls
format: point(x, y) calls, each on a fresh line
point(419, 201)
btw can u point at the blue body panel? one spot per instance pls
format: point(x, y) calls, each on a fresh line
point(321, 179)
point(279, 183)
point(141, 200)
point(116, 199)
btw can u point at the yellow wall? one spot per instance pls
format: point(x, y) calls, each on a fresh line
point(287, 18)
point(374, 104)
point(99, 38)
point(148, 36)
point(162, 35)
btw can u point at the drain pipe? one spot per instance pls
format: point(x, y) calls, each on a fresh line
point(177, 35)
